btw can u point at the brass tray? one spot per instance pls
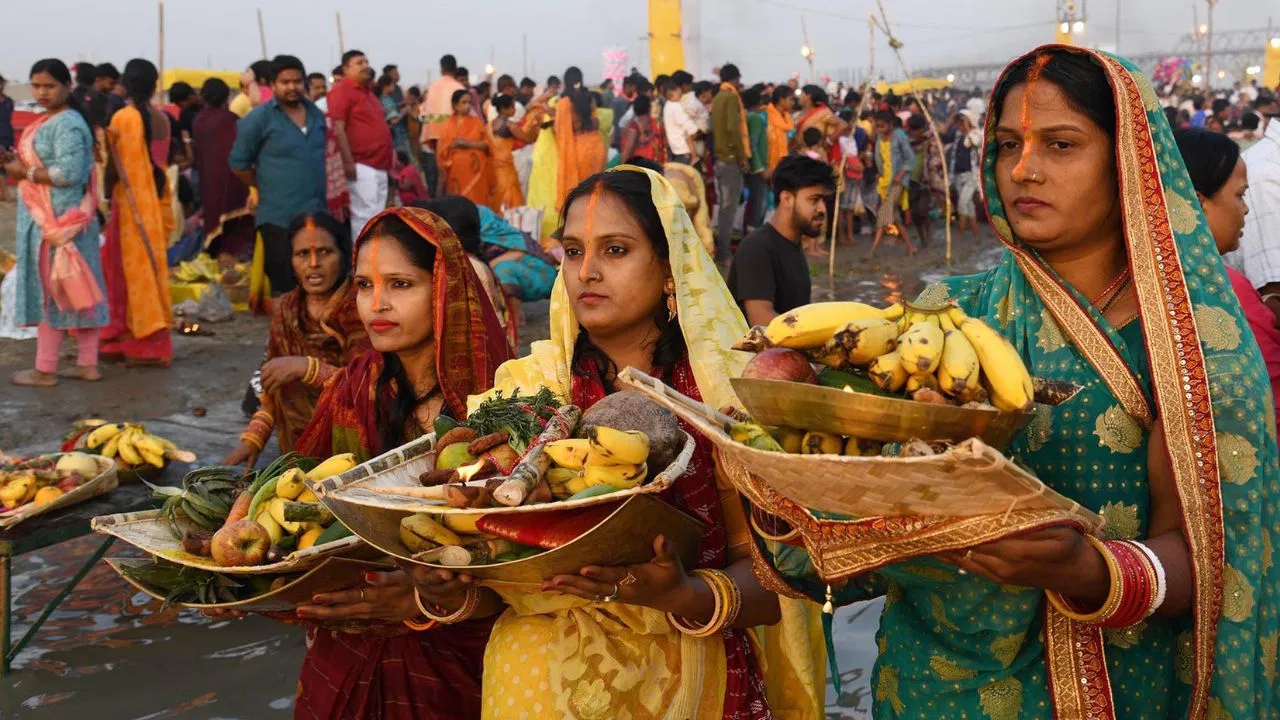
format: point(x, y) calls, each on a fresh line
point(872, 417)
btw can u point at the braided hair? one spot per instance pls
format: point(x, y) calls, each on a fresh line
point(139, 80)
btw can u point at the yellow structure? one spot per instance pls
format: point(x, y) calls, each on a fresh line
point(1271, 64)
point(906, 87)
point(666, 44)
point(1064, 34)
point(195, 77)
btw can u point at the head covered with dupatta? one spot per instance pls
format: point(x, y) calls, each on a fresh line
point(469, 342)
point(1194, 369)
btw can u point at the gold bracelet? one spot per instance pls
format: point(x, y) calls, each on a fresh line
point(1114, 597)
point(309, 376)
point(728, 604)
point(252, 440)
point(420, 626)
point(469, 605)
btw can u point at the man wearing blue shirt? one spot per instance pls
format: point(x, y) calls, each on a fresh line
point(279, 152)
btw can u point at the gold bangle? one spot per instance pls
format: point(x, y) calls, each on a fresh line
point(728, 604)
point(420, 626)
point(1114, 597)
point(469, 605)
point(252, 440)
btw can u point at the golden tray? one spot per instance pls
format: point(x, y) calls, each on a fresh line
point(778, 403)
point(625, 537)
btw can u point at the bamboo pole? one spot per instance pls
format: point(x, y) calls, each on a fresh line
point(160, 44)
point(835, 223)
point(262, 36)
point(342, 46)
point(896, 46)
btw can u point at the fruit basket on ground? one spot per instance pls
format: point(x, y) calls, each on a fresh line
point(224, 521)
point(547, 489)
point(139, 455)
point(50, 482)
point(862, 502)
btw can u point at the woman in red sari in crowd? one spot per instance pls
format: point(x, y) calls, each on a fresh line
point(463, 154)
point(315, 332)
point(436, 340)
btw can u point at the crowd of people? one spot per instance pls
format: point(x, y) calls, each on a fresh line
point(400, 231)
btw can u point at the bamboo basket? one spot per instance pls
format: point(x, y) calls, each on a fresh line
point(402, 466)
point(104, 482)
point(858, 513)
point(149, 531)
point(332, 574)
point(625, 537)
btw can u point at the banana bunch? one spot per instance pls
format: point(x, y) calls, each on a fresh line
point(814, 326)
point(606, 458)
point(133, 445)
point(799, 442)
point(202, 269)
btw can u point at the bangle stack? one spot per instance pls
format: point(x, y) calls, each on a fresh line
point(259, 430)
point(1138, 586)
point(728, 604)
point(469, 604)
point(313, 371)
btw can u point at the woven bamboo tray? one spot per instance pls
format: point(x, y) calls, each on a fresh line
point(402, 466)
point(624, 537)
point(105, 481)
point(149, 531)
point(332, 574)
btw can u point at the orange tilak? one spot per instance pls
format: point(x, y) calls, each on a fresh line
point(1028, 135)
point(310, 227)
point(591, 209)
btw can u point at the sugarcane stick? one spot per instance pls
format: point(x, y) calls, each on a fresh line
point(434, 492)
point(528, 472)
point(481, 552)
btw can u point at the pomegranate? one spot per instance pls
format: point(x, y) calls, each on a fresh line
point(781, 364)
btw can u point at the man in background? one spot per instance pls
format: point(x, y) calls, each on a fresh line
point(679, 127)
point(527, 89)
point(317, 88)
point(107, 81)
point(770, 273)
point(93, 102)
point(1259, 254)
point(364, 139)
point(728, 122)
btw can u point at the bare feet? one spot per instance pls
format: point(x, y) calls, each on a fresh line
point(87, 373)
point(33, 378)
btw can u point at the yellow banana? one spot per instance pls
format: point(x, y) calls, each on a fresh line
point(560, 476)
point(1007, 377)
point(921, 380)
point(335, 465)
point(290, 484)
point(112, 447)
point(920, 347)
point(866, 339)
point(306, 496)
point(269, 524)
point(151, 458)
point(858, 447)
point(99, 436)
point(811, 326)
point(820, 443)
point(461, 524)
point(570, 454)
point(128, 453)
point(790, 439)
point(959, 370)
point(894, 312)
point(143, 440)
point(887, 372)
point(623, 477)
point(575, 485)
point(831, 353)
point(622, 447)
point(275, 507)
point(420, 531)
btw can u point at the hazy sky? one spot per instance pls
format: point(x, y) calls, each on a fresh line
point(762, 36)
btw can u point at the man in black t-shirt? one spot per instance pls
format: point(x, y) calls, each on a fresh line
point(770, 273)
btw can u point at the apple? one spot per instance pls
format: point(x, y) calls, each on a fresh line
point(780, 364)
point(241, 543)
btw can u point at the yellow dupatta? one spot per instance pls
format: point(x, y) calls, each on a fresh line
point(793, 654)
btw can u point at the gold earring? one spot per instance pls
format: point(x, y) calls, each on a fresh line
point(670, 290)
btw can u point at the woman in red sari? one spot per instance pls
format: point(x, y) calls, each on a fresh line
point(463, 154)
point(315, 331)
point(436, 340)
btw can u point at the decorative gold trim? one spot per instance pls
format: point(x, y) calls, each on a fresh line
point(1077, 669)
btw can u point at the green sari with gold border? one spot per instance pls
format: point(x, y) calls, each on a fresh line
point(959, 646)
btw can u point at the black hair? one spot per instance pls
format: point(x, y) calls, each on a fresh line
point(107, 70)
point(631, 80)
point(448, 64)
point(703, 86)
point(811, 136)
point(884, 116)
point(816, 94)
point(383, 83)
point(350, 55)
point(414, 91)
point(215, 92)
point(264, 71)
point(316, 75)
point(750, 98)
point(580, 101)
point(682, 78)
point(664, 81)
point(893, 100)
point(729, 72)
point(1082, 81)
point(502, 102)
point(1210, 158)
point(782, 91)
point(462, 73)
point(179, 92)
point(386, 69)
point(338, 231)
point(86, 73)
point(1220, 104)
point(56, 69)
point(853, 97)
point(646, 163)
point(845, 114)
point(281, 63)
point(633, 188)
point(1197, 102)
point(337, 71)
point(458, 95)
point(1171, 115)
point(553, 80)
point(506, 81)
point(139, 80)
point(402, 157)
point(642, 105)
point(461, 214)
point(1250, 121)
point(396, 399)
point(797, 172)
point(916, 122)
point(597, 97)
point(528, 82)
point(642, 84)
point(483, 86)
point(572, 78)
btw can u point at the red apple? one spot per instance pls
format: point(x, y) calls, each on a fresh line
point(780, 364)
point(241, 543)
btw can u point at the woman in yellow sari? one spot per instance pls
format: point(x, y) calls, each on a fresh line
point(638, 289)
point(463, 154)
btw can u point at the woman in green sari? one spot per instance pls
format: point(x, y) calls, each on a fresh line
point(1110, 280)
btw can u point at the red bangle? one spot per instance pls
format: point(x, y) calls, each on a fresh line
point(1138, 585)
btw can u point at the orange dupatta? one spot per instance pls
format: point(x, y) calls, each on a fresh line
point(580, 154)
point(779, 125)
point(468, 171)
